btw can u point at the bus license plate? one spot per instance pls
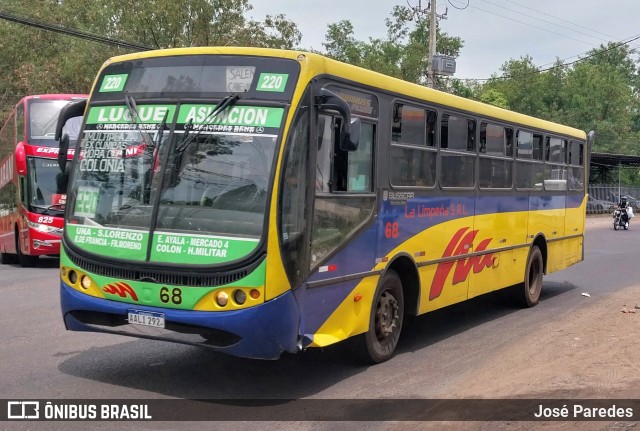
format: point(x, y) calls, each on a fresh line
point(146, 318)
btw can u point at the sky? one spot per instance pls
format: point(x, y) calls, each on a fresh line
point(493, 31)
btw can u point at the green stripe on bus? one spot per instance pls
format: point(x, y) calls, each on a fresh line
point(120, 114)
point(235, 116)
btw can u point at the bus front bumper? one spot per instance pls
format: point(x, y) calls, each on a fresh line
point(262, 332)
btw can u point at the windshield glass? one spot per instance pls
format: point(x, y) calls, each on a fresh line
point(46, 190)
point(197, 196)
point(43, 116)
point(218, 185)
point(72, 129)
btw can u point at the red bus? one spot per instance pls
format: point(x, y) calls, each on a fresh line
point(32, 195)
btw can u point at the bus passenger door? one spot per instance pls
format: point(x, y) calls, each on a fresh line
point(343, 234)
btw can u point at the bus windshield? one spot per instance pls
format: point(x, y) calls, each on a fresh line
point(180, 181)
point(43, 115)
point(176, 155)
point(218, 184)
point(46, 194)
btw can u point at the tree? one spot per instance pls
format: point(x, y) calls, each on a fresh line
point(602, 94)
point(176, 23)
point(494, 97)
point(38, 61)
point(401, 54)
point(599, 92)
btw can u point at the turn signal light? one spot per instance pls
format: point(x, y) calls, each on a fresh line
point(254, 294)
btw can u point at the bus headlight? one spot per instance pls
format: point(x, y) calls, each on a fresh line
point(44, 227)
point(222, 298)
point(73, 277)
point(239, 296)
point(85, 282)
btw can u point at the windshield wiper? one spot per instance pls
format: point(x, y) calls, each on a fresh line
point(46, 208)
point(224, 104)
point(161, 128)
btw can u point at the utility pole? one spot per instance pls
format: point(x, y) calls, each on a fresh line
point(433, 22)
point(433, 26)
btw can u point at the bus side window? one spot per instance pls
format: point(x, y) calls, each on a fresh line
point(343, 171)
point(292, 200)
point(360, 162)
point(343, 189)
point(340, 164)
point(20, 123)
point(23, 189)
point(325, 153)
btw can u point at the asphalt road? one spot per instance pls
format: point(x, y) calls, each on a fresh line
point(39, 359)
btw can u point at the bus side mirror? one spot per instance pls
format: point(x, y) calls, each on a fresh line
point(72, 109)
point(21, 159)
point(350, 128)
point(351, 137)
point(62, 153)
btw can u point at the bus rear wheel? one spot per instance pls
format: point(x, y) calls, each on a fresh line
point(528, 293)
point(7, 258)
point(385, 322)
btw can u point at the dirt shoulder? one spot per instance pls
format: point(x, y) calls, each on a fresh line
point(591, 352)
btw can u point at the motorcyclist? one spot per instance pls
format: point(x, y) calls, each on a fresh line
point(624, 205)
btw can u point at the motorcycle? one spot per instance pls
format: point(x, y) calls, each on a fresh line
point(621, 218)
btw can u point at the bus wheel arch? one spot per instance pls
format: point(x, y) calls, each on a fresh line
point(541, 242)
point(26, 261)
point(407, 270)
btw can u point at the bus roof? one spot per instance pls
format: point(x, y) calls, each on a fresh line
point(57, 96)
point(319, 64)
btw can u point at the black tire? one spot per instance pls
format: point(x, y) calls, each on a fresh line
point(385, 322)
point(25, 260)
point(615, 225)
point(7, 258)
point(528, 293)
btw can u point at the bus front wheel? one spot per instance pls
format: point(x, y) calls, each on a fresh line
point(385, 322)
point(528, 293)
point(26, 261)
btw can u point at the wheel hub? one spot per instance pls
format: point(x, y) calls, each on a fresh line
point(386, 320)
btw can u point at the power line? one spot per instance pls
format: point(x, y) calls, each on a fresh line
point(530, 25)
point(614, 46)
point(548, 22)
point(561, 19)
point(622, 42)
point(459, 8)
point(25, 20)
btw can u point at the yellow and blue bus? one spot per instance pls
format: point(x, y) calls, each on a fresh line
point(260, 201)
